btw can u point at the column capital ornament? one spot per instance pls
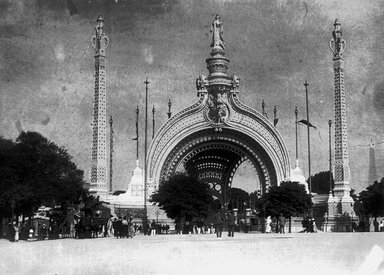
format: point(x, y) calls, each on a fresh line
point(337, 44)
point(100, 41)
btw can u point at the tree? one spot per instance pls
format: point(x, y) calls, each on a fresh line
point(289, 199)
point(320, 182)
point(9, 187)
point(37, 172)
point(238, 199)
point(183, 196)
point(372, 199)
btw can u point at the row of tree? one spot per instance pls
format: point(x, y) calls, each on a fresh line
point(184, 196)
point(35, 171)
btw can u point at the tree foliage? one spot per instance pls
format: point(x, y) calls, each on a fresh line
point(320, 182)
point(372, 199)
point(288, 199)
point(36, 171)
point(183, 195)
point(238, 199)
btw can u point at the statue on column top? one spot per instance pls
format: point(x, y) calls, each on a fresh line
point(217, 37)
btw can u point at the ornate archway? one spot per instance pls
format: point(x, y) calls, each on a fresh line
point(212, 137)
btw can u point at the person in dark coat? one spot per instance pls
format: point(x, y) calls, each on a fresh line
point(281, 221)
point(124, 225)
point(116, 228)
point(218, 224)
point(153, 228)
point(231, 224)
point(24, 230)
point(11, 233)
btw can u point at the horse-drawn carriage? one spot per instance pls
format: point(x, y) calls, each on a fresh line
point(92, 222)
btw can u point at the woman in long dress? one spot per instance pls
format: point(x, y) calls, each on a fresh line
point(268, 228)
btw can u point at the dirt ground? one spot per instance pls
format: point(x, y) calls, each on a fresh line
point(296, 253)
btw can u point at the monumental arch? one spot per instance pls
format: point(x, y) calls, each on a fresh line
point(212, 137)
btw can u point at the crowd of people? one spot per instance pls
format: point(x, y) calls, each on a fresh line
point(309, 225)
point(29, 230)
point(120, 228)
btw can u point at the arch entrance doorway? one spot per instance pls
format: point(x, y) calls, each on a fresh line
point(212, 137)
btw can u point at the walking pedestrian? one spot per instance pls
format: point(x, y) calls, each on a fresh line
point(16, 229)
point(153, 228)
point(381, 227)
point(231, 224)
point(218, 224)
point(281, 221)
point(124, 227)
point(43, 232)
point(268, 222)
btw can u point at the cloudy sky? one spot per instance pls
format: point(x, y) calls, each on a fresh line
point(47, 63)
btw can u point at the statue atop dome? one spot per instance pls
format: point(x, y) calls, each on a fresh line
point(217, 36)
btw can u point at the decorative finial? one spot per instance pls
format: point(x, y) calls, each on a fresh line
point(306, 84)
point(169, 108)
point(263, 108)
point(100, 41)
point(146, 81)
point(235, 81)
point(275, 119)
point(217, 43)
point(296, 111)
point(337, 44)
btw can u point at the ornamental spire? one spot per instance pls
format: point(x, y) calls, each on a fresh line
point(342, 174)
point(99, 159)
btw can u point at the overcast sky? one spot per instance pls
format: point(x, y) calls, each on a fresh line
point(47, 64)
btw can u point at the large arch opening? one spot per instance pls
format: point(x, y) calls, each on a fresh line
point(214, 157)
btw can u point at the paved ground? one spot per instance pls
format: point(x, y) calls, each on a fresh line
point(321, 253)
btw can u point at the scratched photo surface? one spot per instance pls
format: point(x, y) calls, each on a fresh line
point(47, 86)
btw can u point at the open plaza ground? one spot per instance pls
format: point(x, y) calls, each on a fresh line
point(296, 253)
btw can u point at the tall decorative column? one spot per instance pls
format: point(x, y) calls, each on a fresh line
point(342, 174)
point(99, 147)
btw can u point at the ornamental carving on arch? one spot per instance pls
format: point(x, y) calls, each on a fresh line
point(217, 111)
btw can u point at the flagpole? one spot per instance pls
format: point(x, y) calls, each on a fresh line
point(330, 156)
point(145, 157)
point(309, 142)
point(110, 154)
point(297, 144)
point(137, 133)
